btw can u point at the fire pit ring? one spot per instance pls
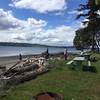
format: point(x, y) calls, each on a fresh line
point(48, 96)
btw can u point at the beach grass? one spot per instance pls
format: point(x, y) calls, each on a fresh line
point(72, 84)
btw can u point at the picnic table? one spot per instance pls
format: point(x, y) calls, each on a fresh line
point(78, 60)
point(87, 56)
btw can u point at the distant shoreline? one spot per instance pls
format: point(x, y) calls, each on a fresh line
point(30, 45)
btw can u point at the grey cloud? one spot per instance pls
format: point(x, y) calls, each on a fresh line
point(18, 38)
point(8, 21)
point(5, 25)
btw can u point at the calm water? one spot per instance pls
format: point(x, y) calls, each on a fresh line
point(13, 51)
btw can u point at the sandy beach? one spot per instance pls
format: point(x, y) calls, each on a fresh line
point(8, 61)
point(11, 60)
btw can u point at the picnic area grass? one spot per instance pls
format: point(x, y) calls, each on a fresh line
point(72, 84)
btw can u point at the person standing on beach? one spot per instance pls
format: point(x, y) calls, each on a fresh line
point(47, 54)
point(20, 57)
point(65, 54)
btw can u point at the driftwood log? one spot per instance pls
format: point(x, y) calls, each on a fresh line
point(2, 69)
point(9, 70)
point(17, 79)
point(22, 78)
point(22, 70)
point(27, 68)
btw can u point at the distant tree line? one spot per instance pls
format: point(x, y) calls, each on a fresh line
point(89, 36)
point(16, 44)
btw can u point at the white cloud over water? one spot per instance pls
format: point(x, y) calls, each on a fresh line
point(41, 6)
point(31, 30)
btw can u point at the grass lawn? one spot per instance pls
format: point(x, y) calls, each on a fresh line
point(72, 84)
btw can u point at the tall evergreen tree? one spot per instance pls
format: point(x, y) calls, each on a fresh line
point(93, 23)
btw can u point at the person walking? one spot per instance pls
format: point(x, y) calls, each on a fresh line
point(65, 54)
point(20, 57)
point(47, 54)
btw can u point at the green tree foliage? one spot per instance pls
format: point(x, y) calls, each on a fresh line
point(89, 35)
point(82, 39)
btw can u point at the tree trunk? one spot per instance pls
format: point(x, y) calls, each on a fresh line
point(97, 39)
point(93, 42)
point(97, 46)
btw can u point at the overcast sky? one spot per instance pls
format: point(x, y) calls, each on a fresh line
point(39, 21)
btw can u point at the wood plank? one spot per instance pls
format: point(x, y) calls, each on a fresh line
point(79, 58)
point(70, 62)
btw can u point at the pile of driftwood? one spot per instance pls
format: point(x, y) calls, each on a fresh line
point(23, 71)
